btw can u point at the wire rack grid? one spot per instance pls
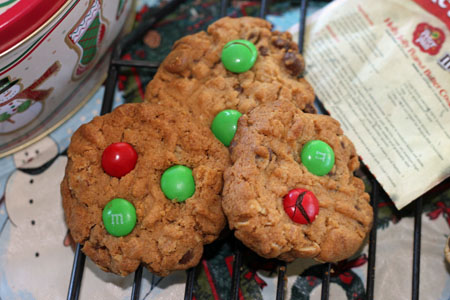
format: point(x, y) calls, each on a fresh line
point(150, 19)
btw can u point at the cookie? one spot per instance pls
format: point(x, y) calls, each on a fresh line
point(194, 77)
point(166, 235)
point(277, 206)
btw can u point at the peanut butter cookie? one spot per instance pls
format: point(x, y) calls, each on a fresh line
point(194, 76)
point(290, 191)
point(123, 170)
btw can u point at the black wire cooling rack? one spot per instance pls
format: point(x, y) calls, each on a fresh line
point(149, 20)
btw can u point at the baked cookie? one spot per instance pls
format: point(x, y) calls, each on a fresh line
point(193, 75)
point(117, 187)
point(274, 201)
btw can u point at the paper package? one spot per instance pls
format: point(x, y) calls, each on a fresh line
point(382, 68)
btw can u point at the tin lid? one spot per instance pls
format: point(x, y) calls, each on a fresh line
point(20, 18)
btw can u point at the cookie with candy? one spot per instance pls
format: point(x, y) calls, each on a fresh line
point(237, 64)
point(142, 186)
point(290, 191)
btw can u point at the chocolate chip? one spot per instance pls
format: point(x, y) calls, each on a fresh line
point(293, 63)
point(309, 108)
point(280, 43)
point(176, 62)
point(186, 257)
point(262, 153)
point(264, 51)
point(254, 37)
point(343, 144)
point(238, 88)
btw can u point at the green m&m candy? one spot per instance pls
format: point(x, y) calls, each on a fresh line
point(119, 217)
point(224, 125)
point(239, 56)
point(177, 183)
point(318, 157)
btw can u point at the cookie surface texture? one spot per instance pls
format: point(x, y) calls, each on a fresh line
point(266, 165)
point(193, 75)
point(168, 235)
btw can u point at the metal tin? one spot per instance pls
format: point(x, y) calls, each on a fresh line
point(52, 59)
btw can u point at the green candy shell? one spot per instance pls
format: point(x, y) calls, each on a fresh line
point(119, 217)
point(318, 157)
point(224, 125)
point(177, 183)
point(239, 56)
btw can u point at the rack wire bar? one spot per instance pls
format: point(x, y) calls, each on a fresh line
point(189, 290)
point(302, 25)
point(136, 63)
point(326, 282)
point(372, 242)
point(325, 293)
point(77, 274)
point(263, 9)
point(223, 8)
point(236, 276)
point(281, 283)
point(136, 290)
point(416, 254)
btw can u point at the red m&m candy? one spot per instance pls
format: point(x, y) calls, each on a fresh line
point(119, 159)
point(301, 206)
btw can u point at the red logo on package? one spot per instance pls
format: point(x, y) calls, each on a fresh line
point(428, 38)
point(438, 8)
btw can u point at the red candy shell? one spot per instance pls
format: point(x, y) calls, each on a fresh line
point(119, 159)
point(301, 206)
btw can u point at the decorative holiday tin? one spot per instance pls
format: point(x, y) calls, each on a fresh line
point(52, 57)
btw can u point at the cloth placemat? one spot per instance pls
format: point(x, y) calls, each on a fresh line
point(36, 254)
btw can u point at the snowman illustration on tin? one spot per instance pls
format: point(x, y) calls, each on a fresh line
point(19, 106)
